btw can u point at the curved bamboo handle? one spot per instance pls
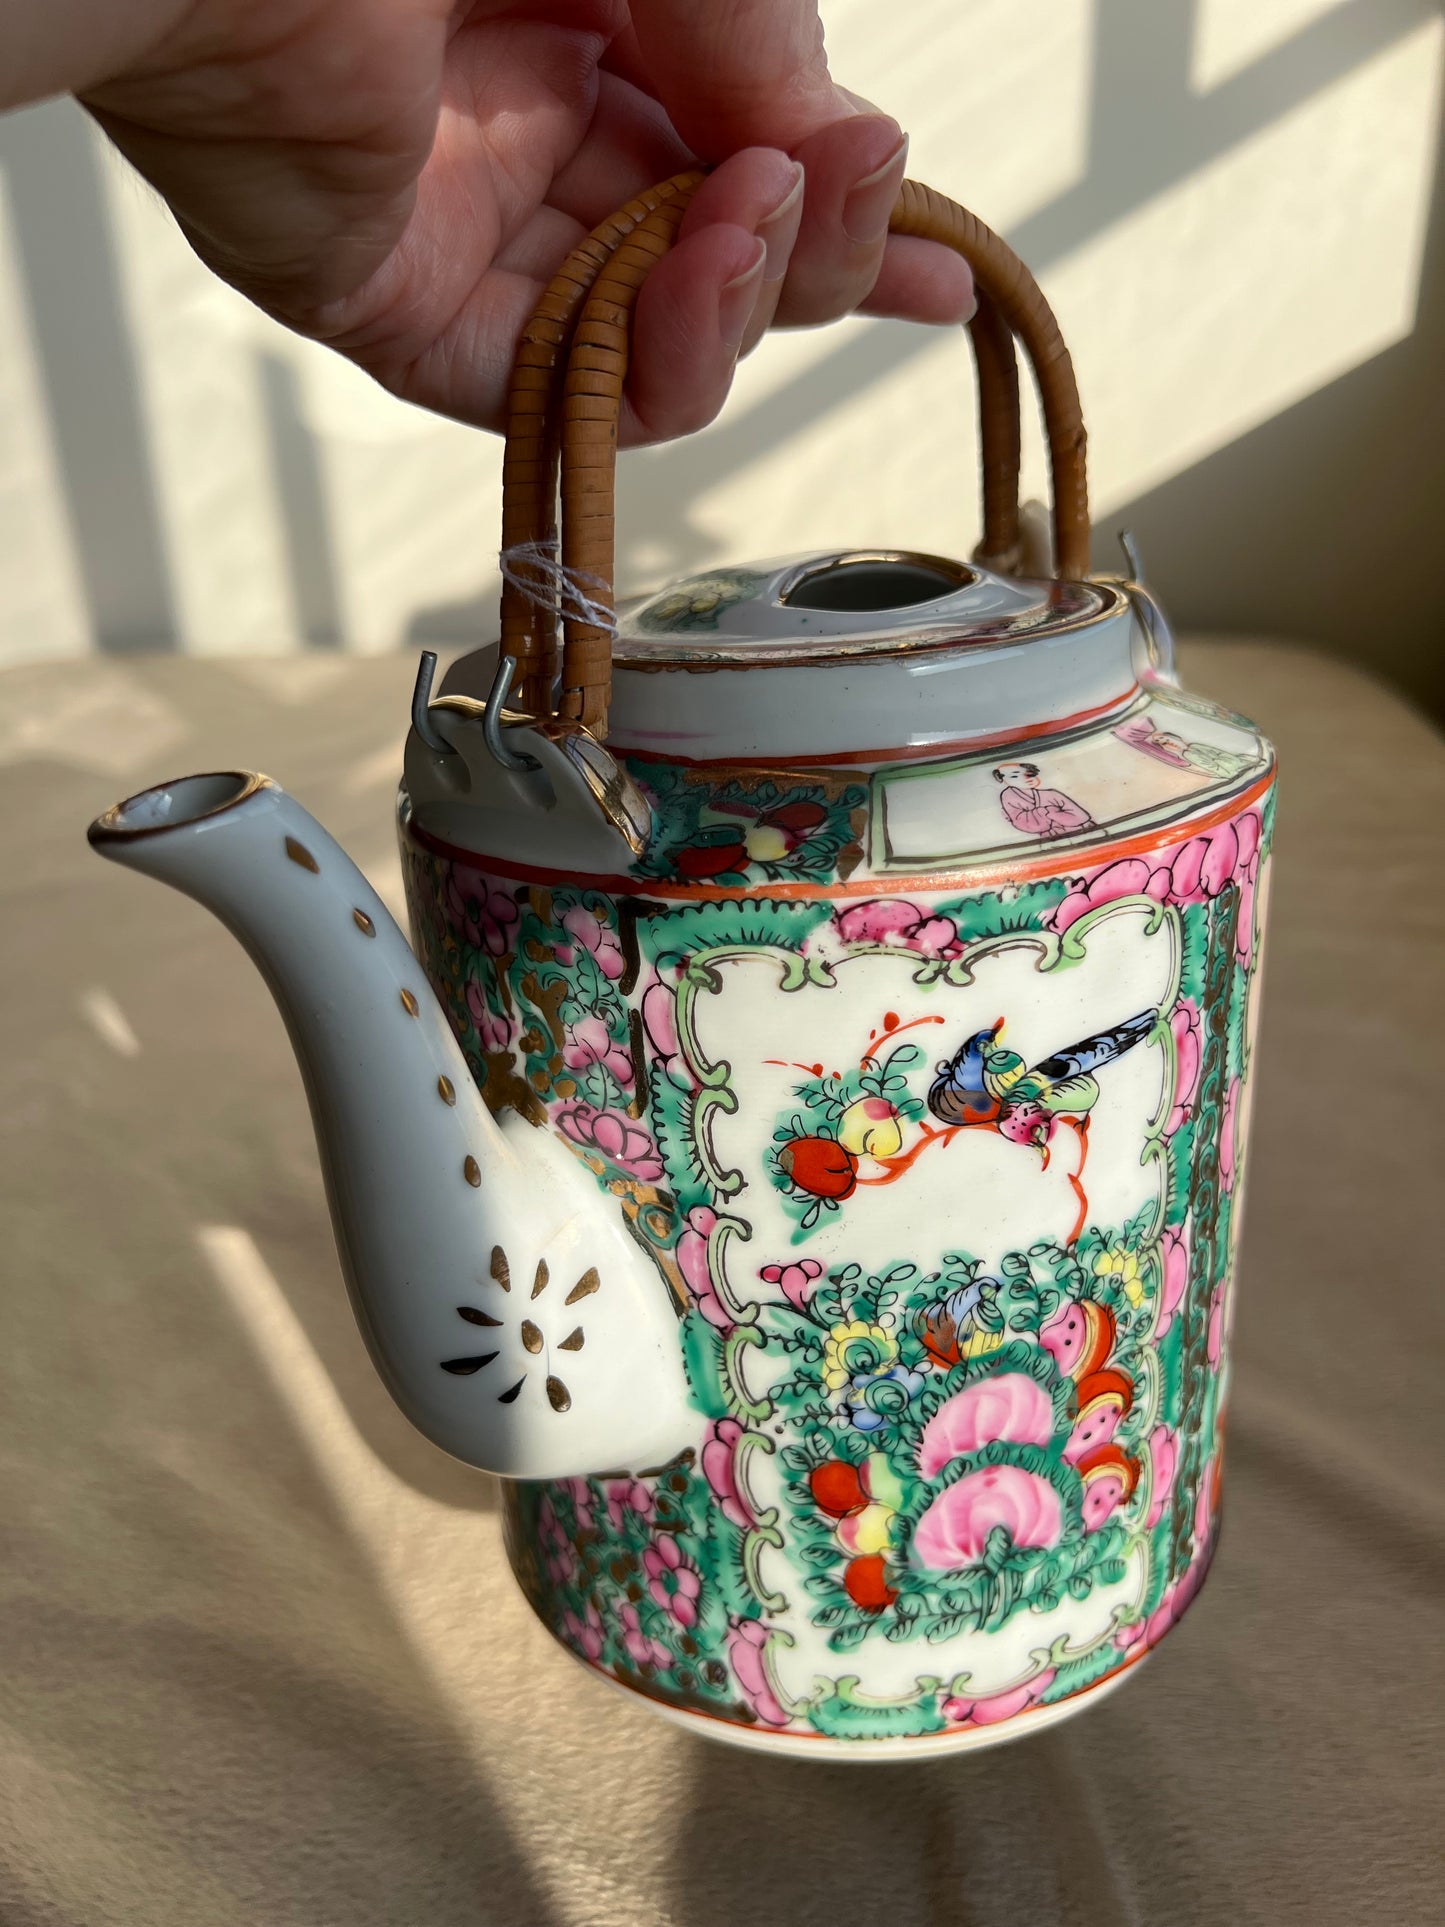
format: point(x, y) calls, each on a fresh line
point(1002, 276)
point(1010, 302)
point(530, 462)
point(999, 438)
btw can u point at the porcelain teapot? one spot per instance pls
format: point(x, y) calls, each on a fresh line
point(802, 1153)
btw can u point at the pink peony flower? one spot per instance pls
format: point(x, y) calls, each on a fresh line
point(1164, 1459)
point(1220, 860)
point(935, 937)
point(1247, 831)
point(659, 1021)
point(617, 1137)
point(672, 1580)
point(558, 1554)
point(795, 1280)
point(892, 920)
point(1197, 870)
point(692, 1262)
point(1176, 1276)
point(584, 1633)
point(720, 1469)
point(642, 1650)
point(1010, 1405)
point(1185, 1025)
point(1141, 1634)
point(495, 1032)
point(747, 1642)
point(479, 910)
point(598, 939)
point(627, 1495)
point(954, 1531)
point(590, 1042)
point(1228, 1129)
point(1133, 876)
point(580, 1493)
point(997, 1706)
point(1185, 872)
point(880, 920)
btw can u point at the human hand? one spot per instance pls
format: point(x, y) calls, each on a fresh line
point(400, 178)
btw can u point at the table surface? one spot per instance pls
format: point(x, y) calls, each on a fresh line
point(260, 1660)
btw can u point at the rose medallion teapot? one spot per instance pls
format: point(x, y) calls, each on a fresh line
point(802, 1153)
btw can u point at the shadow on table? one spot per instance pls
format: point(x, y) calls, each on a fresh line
point(1015, 1833)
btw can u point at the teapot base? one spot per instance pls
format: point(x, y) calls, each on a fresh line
point(892, 1749)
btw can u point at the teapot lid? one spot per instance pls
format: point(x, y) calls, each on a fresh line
point(828, 605)
point(864, 653)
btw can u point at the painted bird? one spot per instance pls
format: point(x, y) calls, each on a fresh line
point(986, 1083)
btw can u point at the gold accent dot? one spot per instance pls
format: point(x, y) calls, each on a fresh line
point(299, 853)
point(584, 1287)
point(447, 1090)
point(573, 1342)
point(559, 1396)
point(539, 1283)
point(531, 1337)
point(409, 1003)
point(471, 1170)
point(363, 923)
point(501, 1270)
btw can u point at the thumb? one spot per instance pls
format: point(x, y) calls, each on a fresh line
point(740, 73)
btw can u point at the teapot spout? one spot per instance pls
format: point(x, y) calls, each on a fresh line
point(503, 1300)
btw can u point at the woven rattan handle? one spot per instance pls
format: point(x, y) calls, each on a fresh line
point(530, 631)
point(529, 465)
point(1010, 303)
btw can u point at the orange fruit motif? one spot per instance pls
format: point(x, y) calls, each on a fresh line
point(820, 1166)
point(867, 1584)
point(837, 1489)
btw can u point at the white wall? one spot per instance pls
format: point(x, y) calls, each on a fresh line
point(1228, 201)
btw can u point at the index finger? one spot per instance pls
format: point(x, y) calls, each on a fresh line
point(739, 73)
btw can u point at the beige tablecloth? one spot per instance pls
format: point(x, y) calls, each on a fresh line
point(260, 1662)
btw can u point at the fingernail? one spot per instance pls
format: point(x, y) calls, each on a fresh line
point(778, 229)
point(738, 298)
point(869, 204)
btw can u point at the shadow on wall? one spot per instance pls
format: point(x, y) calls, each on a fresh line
point(67, 261)
point(296, 471)
point(1267, 535)
point(1323, 524)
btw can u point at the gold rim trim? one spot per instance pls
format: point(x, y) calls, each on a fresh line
point(108, 827)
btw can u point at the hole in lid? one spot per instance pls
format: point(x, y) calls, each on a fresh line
point(856, 585)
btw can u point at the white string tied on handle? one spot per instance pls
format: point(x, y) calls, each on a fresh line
point(534, 570)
